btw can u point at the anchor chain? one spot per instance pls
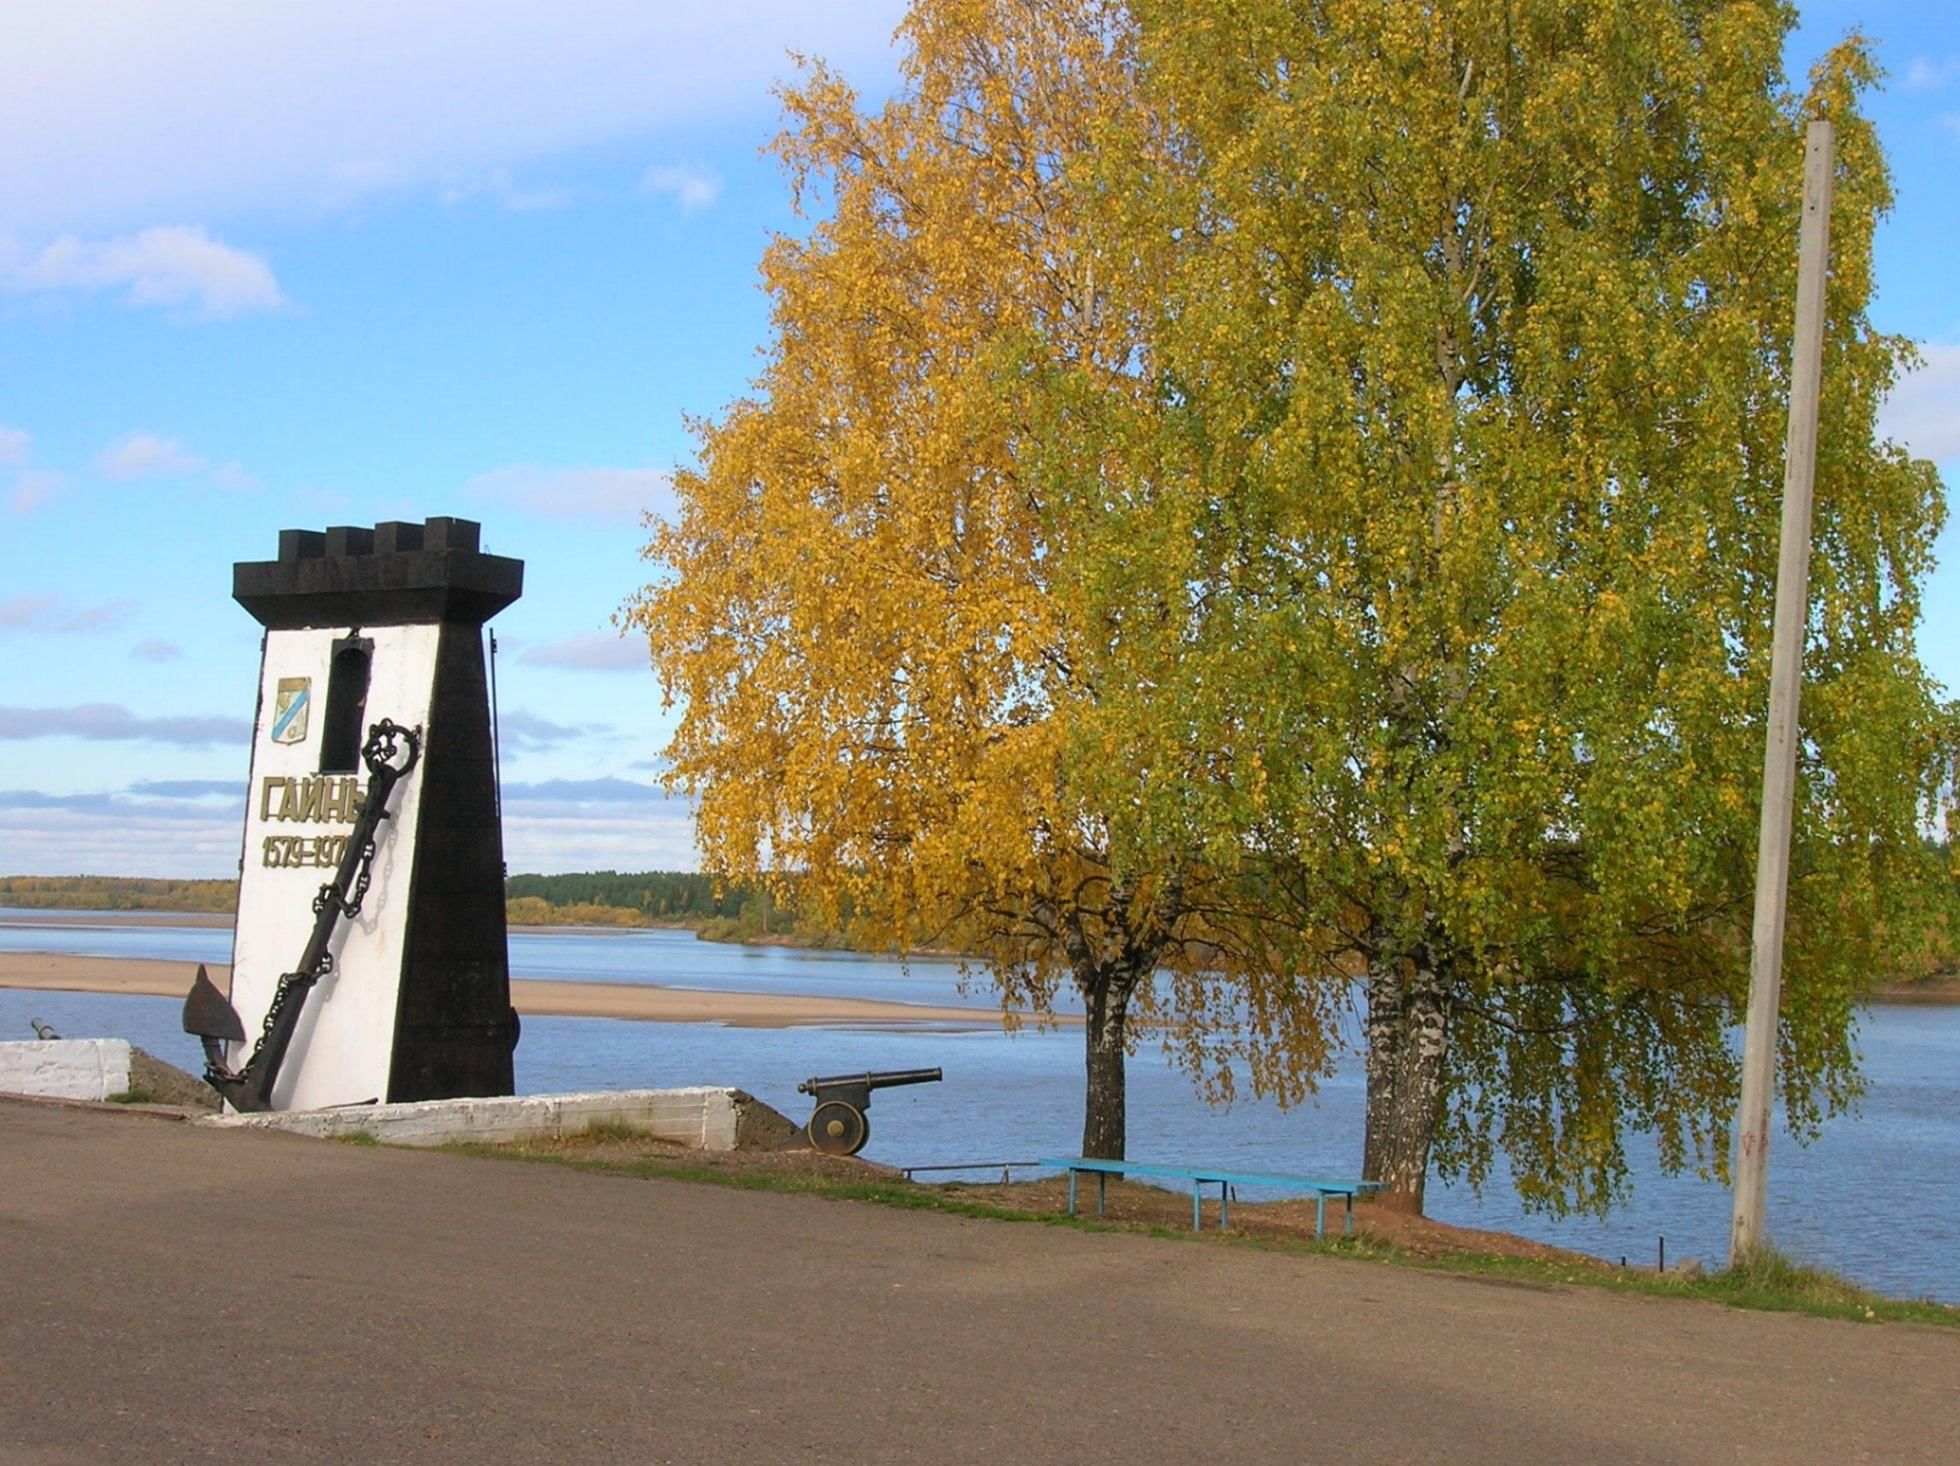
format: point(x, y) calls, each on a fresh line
point(331, 904)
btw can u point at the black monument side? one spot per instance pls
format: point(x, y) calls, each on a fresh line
point(454, 1026)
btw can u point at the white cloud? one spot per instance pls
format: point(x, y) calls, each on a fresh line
point(156, 651)
point(33, 489)
point(26, 612)
point(594, 652)
point(1930, 73)
point(1923, 411)
point(113, 115)
point(226, 789)
point(692, 187)
point(110, 723)
point(597, 824)
point(145, 455)
point(189, 827)
point(502, 190)
point(171, 266)
point(50, 611)
point(13, 445)
point(567, 794)
point(518, 729)
point(617, 494)
point(132, 834)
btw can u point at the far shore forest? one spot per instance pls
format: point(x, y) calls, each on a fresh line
point(714, 910)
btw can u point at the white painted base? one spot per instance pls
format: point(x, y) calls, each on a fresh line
point(66, 1068)
point(705, 1118)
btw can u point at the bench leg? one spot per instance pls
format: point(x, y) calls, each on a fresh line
point(1197, 1216)
point(1224, 1205)
point(1350, 1214)
point(1102, 1191)
point(1319, 1215)
point(1071, 1193)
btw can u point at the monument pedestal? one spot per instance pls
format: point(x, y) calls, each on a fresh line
point(364, 626)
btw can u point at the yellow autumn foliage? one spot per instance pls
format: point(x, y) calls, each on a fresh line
point(858, 604)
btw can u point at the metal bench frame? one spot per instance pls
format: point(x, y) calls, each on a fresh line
point(1201, 1177)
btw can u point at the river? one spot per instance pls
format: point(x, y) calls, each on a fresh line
point(1876, 1196)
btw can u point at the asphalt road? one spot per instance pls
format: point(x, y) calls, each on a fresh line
point(169, 1293)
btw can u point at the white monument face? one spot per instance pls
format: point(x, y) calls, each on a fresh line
point(305, 795)
point(372, 717)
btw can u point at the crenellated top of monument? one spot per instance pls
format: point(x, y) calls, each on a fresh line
point(394, 574)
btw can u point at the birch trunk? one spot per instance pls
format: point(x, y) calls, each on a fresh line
point(1408, 1027)
point(1107, 999)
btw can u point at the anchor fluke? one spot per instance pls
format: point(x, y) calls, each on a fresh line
point(209, 1014)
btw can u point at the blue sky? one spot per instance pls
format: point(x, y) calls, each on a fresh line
point(267, 266)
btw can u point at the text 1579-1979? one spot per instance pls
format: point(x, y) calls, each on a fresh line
point(284, 852)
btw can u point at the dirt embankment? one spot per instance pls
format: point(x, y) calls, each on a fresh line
point(154, 1082)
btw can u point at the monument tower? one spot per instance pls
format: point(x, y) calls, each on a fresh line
point(370, 960)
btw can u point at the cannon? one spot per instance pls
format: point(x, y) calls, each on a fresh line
point(837, 1125)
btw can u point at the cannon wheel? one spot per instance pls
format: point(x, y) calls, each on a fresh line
point(838, 1128)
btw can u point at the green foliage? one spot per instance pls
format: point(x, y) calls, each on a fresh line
point(678, 896)
point(1932, 952)
point(718, 911)
point(116, 893)
point(1436, 590)
point(533, 911)
point(1288, 495)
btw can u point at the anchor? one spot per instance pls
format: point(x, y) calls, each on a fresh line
point(390, 752)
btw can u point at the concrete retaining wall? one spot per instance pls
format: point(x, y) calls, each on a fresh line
point(708, 1119)
point(66, 1068)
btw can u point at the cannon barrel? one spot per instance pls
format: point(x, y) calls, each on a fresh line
point(876, 1079)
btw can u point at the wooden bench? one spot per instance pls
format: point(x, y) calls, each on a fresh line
point(1203, 1176)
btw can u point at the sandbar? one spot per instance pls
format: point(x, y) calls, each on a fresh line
point(151, 977)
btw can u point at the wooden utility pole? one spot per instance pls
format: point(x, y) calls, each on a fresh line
point(1785, 680)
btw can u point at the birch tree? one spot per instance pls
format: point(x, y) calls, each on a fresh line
point(857, 605)
point(1442, 583)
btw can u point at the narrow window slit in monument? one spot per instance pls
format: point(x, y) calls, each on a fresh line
point(347, 691)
